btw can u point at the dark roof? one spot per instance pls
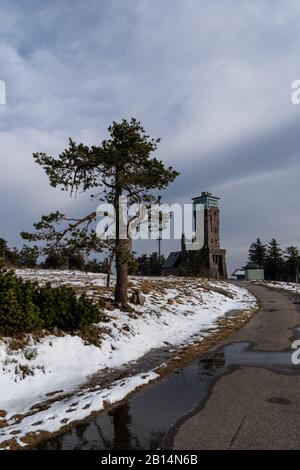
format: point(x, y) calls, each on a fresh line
point(253, 266)
point(238, 272)
point(205, 194)
point(172, 259)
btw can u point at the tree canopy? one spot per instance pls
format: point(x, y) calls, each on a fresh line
point(122, 165)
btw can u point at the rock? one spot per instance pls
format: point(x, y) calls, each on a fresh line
point(137, 298)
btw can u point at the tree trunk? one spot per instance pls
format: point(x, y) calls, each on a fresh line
point(122, 253)
point(110, 261)
point(297, 275)
point(108, 279)
point(122, 247)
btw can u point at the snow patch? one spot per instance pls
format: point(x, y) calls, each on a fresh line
point(75, 408)
point(288, 286)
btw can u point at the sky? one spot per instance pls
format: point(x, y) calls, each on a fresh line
point(212, 79)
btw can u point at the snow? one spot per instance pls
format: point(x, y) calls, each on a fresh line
point(175, 311)
point(288, 286)
point(58, 277)
point(74, 408)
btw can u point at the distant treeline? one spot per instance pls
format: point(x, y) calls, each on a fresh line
point(279, 264)
point(65, 258)
point(146, 265)
point(72, 258)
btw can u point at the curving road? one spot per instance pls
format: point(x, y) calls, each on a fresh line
point(254, 407)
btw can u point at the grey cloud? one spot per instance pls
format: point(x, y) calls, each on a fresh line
point(278, 148)
point(211, 78)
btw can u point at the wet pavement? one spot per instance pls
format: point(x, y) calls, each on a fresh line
point(255, 406)
point(182, 410)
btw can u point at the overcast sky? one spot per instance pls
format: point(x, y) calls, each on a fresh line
point(211, 78)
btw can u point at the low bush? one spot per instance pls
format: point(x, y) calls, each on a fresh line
point(25, 306)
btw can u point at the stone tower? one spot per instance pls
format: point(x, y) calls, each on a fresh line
point(212, 258)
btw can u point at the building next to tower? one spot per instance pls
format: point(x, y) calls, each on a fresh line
point(203, 257)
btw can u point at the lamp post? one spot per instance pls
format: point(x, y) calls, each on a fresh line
point(159, 235)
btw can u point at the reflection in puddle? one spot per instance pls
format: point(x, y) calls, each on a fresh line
point(143, 421)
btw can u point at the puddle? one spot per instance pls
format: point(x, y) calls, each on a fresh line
point(145, 419)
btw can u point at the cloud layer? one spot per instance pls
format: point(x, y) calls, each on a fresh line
point(213, 79)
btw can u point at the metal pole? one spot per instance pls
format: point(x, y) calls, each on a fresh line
point(159, 235)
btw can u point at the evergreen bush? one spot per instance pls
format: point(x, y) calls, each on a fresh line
point(25, 306)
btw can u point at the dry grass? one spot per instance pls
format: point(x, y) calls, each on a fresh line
point(146, 287)
point(91, 335)
point(18, 343)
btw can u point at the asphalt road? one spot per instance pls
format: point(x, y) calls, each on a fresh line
point(253, 407)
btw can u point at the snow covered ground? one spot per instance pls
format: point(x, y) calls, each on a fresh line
point(41, 384)
point(288, 286)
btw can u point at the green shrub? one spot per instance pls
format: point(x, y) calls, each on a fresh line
point(17, 309)
point(60, 307)
point(25, 307)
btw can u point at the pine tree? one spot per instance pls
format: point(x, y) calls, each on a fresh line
point(292, 263)
point(9, 255)
point(3, 248)
point(28, 257)
point(144, 265)
point(123, 165)
point(155, 264)
point(133, 264)
point(274, 261)
point(56, 259)
point(257, 253)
